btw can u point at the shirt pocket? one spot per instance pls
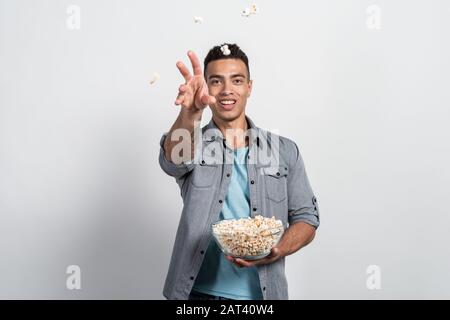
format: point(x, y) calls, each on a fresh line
point(275, 182)
point(204, 174)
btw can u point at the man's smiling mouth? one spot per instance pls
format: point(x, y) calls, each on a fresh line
point(227, 104)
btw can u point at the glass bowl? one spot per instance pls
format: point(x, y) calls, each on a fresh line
point(246, 244)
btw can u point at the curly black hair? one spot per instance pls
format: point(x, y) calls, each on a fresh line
point(235, 53)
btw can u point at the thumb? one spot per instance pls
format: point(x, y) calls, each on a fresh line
point(275, 252)
point(207, 100)
point(211, 99)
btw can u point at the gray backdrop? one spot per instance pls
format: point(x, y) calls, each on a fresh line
point(361, 86)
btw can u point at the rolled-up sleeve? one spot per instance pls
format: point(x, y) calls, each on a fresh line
point(302, 203)
point(175, 170)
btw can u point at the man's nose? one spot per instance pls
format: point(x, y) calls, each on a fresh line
point(226, 89)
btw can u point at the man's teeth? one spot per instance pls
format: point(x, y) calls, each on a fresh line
point(227, 102)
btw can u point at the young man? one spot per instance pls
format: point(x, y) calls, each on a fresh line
point(222, 174)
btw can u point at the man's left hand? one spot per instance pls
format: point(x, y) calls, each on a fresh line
point(274, 255)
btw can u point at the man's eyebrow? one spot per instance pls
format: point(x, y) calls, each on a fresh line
point(235, 75)
point(215, 76)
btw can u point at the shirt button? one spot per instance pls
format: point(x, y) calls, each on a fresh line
point(254, 209)
point(228, 174)
point(220, 201)
point(202, 252)
point(252, 182)
point(192, 278)
point(203, 161)
point(278, 173)
point(264, 289)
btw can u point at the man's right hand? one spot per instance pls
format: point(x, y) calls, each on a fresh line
point(193, 96)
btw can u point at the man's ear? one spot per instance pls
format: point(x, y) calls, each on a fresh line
point(250, 87)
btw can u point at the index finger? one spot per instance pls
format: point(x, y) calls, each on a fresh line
point(195, 63)
point(184, 71)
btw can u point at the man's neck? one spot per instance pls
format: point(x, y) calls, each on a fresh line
point(234, 131)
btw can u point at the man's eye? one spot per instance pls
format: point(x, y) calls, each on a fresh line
point(215, 81)
point(238, 81)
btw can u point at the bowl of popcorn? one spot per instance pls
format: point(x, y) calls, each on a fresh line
point(247, 238)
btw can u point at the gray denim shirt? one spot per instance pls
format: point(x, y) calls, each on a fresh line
point(278, 187)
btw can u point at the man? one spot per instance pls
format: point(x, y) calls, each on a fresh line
point(234, 179)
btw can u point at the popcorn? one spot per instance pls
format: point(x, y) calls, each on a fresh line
point(246, 12)
point(249, 11)
point(254, 9)
point(225, 50)
point(156, 76)
point(198, 20)
point(248, 238)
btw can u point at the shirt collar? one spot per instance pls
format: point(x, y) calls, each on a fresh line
point(212, 132)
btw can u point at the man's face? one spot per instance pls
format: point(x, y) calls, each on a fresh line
point(228, 82)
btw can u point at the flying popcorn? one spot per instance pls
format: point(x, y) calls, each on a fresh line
point(249, 11)
point(254, 9)
point(225, 50)
point(198, 20)
point(156, 76)
point(246, 12)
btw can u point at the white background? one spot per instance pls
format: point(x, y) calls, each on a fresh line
point(80, 125)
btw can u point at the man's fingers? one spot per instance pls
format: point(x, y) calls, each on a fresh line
point(183, 94)
point(184, 71)
point(211, 100)
point(194, 85)
point(234, 261)
point(179, 100)
point(204, 100)
point(243, 263)
point(180, 96)
point(195, 63)
point(274, 255)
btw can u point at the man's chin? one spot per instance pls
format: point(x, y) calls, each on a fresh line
point(228, 116)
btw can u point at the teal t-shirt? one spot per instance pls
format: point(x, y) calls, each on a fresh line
point(217, 275)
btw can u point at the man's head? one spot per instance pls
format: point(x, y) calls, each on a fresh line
point(228, 77)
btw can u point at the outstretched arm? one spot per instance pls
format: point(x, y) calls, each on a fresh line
point(193, 97)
